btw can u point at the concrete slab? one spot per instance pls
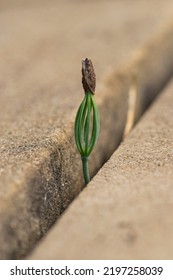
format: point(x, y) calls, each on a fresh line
point(40, 90)
point(125, 212)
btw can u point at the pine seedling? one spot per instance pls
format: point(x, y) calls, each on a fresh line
point(87, 122)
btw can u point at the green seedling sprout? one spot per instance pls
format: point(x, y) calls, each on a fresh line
point(87, 119)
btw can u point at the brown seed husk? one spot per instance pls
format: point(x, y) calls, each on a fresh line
point(88, 76)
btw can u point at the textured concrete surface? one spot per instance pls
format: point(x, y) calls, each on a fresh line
point(125, 212)
point(42, 44)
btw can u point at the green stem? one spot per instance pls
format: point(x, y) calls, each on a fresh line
point(85, 169)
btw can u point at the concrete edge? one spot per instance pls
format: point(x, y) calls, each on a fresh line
point(125, 210)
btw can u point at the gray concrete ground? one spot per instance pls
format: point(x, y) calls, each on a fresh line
point(125, 212)
point(42, 44)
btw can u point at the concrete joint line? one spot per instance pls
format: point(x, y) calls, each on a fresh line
point(125, 211)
